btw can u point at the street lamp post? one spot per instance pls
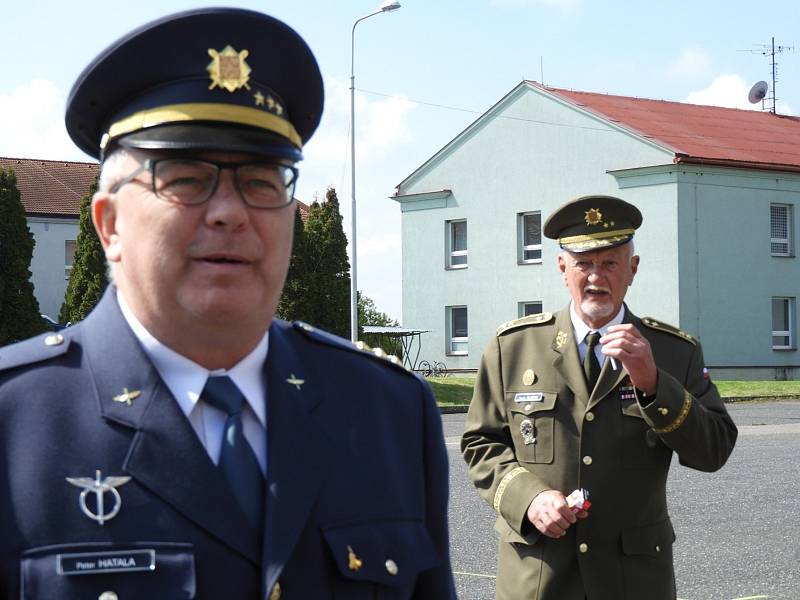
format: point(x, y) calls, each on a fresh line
point(386, 6)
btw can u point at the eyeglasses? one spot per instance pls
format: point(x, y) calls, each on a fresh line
point(261, 184)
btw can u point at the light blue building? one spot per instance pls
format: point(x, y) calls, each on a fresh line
point(717, 188)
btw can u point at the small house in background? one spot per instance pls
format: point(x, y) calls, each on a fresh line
point(718, 189)
point(51, 193)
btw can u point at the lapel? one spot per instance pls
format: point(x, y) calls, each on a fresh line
point(609, 378)
point(165, 455)
point(296, 448)
point(566, 359)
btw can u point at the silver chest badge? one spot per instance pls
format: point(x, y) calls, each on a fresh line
point(100, 487)
point(527, 430)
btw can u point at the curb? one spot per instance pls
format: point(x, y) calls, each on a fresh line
point(453, 409)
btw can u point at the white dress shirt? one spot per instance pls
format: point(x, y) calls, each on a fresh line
point(581, 330)
point(186, 380)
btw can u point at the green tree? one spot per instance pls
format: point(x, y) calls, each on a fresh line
point(326, 301)
point(19, 309)
point(368, 314)
point(294, 290)
point(88, 278)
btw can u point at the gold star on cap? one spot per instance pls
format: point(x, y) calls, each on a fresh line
point(259, 97)
point(228, 70)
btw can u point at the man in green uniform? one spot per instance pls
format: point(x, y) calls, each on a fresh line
point(593, 398)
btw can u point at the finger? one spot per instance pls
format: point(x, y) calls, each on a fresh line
point(582, 514)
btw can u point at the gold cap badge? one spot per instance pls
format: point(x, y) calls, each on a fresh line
point(228, 70)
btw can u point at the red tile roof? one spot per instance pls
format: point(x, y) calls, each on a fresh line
point(51, 187)
point(700, 134)
point(55, 187)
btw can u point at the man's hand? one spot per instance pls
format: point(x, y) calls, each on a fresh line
point(625, 344)
point(551, 515)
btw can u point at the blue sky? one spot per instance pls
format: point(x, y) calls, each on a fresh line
point(426, 72)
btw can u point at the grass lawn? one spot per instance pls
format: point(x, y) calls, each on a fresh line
point(458, 390)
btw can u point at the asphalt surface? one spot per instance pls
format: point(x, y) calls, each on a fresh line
point(738, 530)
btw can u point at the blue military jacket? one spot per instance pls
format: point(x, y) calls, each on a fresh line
point(356, 488)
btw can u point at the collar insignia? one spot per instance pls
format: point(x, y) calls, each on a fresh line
point(127, 397)
point(561, 339)
point(292, 380)
point(228, 70)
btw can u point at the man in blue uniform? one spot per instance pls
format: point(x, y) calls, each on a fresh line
point(180, 443)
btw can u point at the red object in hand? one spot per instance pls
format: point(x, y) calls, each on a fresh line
point(579, 500)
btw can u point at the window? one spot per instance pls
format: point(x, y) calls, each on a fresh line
point(780, 230)
point(456, 244)
point(529, 308)
point(782, 323)
point(457, 331)
point(69, 255)
point(529, 236)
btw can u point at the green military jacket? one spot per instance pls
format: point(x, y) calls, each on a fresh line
point(533, 425)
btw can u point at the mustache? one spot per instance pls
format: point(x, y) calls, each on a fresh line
point(596, 288)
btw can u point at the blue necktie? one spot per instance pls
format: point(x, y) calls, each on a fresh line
point(237, 460)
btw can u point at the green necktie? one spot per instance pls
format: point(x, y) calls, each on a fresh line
point(591, 366)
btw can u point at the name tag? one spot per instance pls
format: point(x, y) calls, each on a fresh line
point(86, 563)
point(529, 397)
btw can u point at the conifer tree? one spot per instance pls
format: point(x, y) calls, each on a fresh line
point(88, 278)
point(19, 309)
point(295, 286)
point(326, 302)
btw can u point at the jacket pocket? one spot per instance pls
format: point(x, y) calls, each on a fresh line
point(379, 560)
point(647, 561)
point(152, 570)
point(532, 423)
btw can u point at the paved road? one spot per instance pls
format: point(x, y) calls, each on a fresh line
point(738, 529)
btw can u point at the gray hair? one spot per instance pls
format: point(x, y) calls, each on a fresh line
point(111, 170)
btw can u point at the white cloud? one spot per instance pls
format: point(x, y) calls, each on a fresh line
point(32, 123)
point(725, 90)
point(692, 63)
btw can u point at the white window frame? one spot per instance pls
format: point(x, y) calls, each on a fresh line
point(788, 307)
point(68, 265)
point(450, 239)
point(789, 239)
point(521, 307)
point(521, 246)
point(456, 346)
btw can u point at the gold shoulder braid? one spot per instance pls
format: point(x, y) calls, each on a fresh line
point(537, 319)
point(659, 326)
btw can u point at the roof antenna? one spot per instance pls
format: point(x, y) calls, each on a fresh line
point(758, 92)
point(541, 69)
point(769, 50)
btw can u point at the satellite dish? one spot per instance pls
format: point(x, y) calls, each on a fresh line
point(758, 92)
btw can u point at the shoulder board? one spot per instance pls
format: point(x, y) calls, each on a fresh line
point(659, 326)
point(537, 319)
point(323, 337)
point(33, 350)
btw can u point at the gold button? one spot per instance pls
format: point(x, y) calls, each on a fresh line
point(658, 548)
point(108, 596)
point(391, 567)
point(590, 416)
point(528, 407)
point(276, 592)
point(55, 339)
point(587, 460)
point(663, 411)
point(361, 345)
point(584, 548)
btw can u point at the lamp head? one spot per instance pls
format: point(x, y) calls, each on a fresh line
point(389, 5)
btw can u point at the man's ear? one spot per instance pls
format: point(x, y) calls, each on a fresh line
point(562, 267)
point(634, 267)
point(104, 217)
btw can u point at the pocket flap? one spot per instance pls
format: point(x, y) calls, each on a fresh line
point(507, 534)
point(527, 403)
point(650, 540)
point(632, 409)
point(391, 553)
